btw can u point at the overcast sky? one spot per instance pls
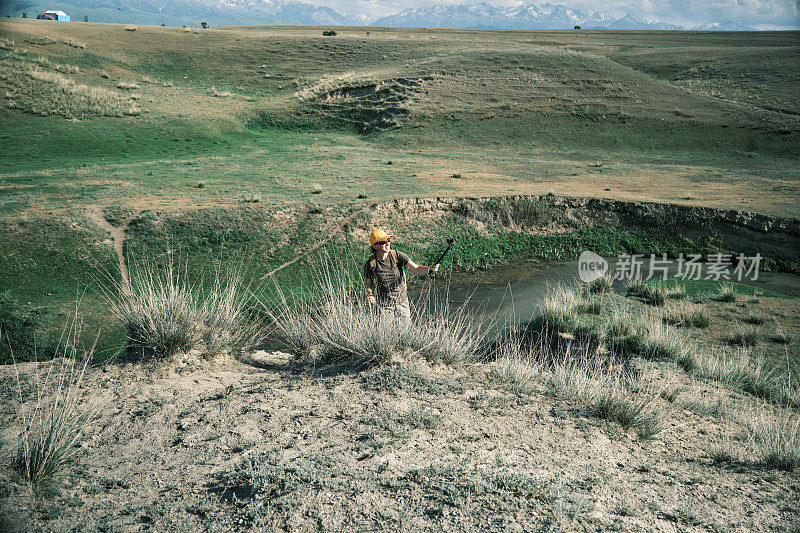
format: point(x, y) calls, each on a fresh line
point(761, 14)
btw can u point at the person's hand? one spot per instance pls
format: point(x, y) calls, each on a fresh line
point(434, 268)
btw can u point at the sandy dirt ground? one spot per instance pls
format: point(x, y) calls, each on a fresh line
point(266, 444)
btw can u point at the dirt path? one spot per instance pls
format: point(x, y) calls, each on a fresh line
point(118, 236)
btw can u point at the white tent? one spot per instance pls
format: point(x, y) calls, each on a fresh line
point(57, 15)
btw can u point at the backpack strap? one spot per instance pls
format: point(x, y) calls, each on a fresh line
point(395, 260)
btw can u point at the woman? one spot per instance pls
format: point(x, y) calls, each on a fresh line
point(384, 273)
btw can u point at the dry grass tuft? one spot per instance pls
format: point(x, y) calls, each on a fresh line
point(727, 292)
point(46, 63)
point(330, 322)
point(656, 292)
point(54, 419)
point(773, 439)
point(126, 86)
point(6, 44)
point(31, 85)
point(42, 41)
point(74, 44)
point(58, 95)
point(575, 373)
point(687, 315)
point(219, 94)
point(160, 311)
point(740, 369)
point(165, 314)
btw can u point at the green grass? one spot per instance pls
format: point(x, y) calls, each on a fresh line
point(49, 265)
point(478, 251)
point(104, 141)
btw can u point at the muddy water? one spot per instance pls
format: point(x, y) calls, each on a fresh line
point(521, 288)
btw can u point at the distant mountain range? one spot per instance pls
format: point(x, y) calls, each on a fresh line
point(235, 12)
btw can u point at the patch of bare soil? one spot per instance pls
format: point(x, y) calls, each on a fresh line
point(118, 238)
point(269, 445)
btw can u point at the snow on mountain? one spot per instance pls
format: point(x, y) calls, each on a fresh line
point(525, 16)
point(477, 15)
point(728, 25)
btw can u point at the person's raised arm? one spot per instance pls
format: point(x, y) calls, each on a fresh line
point(421, 270)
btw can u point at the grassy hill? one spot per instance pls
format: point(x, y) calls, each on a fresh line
point(154, 123)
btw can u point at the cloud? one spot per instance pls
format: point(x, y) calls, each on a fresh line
point(757, 13)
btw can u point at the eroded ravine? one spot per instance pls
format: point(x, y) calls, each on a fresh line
point(118, 237)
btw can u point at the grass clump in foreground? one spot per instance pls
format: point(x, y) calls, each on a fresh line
point(771, 438)
point(577, 372)
point(774, 439)
point(166, 314)
point(329, 321)
point(53, 420)
point(592, 359)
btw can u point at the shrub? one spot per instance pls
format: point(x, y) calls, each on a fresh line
point(127, 86)
point(316, 188)
point(329, 33)
point(53, 421)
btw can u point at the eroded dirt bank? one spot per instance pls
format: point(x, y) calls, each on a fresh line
point(734, 230)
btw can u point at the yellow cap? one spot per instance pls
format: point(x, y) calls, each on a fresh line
point(378, 236)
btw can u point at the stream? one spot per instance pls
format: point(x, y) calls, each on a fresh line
point(521, 288)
